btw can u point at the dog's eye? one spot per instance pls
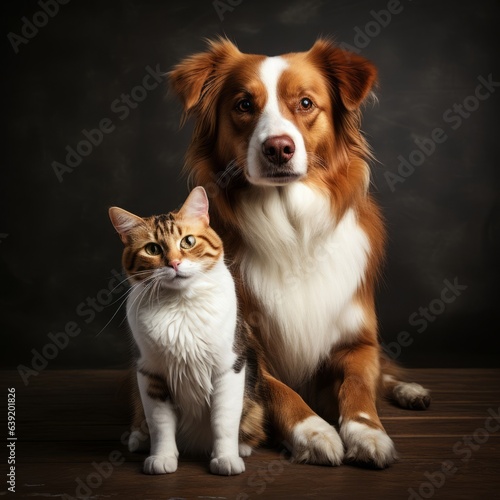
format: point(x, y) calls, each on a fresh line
point(244, 105)
point(305, 104)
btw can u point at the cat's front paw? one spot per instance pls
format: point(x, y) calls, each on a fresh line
point(160, 464)
point(227, 466)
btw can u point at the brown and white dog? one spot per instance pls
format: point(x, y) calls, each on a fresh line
point(277, 145)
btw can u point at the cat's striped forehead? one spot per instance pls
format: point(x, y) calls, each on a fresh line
point(161, 219)
point(169, 225)
point(164, 225)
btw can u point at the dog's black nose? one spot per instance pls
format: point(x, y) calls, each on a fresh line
point(278, 149)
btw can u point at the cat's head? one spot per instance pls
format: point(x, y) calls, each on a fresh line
point(173, 249)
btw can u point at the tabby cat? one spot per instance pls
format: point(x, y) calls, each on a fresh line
point(197, 382)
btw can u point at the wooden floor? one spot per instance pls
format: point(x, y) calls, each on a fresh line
point(69, 426)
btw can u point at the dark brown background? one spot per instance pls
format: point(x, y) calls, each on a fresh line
point(60, 248)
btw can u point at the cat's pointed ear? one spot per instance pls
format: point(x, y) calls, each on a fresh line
point(124, 222)
point(196, 206)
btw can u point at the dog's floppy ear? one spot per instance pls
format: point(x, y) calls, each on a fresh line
point(195, 78)
point(352, 74)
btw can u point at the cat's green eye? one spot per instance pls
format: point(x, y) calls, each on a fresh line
point(153, 249)
point(188, 242)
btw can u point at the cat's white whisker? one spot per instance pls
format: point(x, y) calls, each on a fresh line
point(126, 295)
point(142, 293)
point(114, 315)
point(119, 284)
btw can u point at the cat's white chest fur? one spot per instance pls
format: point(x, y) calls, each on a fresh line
point(186, 337)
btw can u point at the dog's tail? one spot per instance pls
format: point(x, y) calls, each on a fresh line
point(393, 386)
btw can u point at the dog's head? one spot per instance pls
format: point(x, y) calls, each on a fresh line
point(275, 119)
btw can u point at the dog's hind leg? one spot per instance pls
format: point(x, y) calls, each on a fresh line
point(406, 394)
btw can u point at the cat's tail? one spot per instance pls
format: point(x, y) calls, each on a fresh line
point(395, 387)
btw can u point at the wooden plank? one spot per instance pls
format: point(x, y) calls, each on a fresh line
point(444, 409)
point(409, 448)
point(96, 410)
point(450, 379)
point(418, 426)
point(91, 413)
point(456, 380)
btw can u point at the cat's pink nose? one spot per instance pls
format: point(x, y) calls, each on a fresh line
point(175, 264)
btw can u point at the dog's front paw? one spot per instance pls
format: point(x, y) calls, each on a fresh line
point(160, 464)
point(315, 441)
point(227, 466)
point(368, 445)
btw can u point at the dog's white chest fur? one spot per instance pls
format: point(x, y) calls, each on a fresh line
point(304, 269)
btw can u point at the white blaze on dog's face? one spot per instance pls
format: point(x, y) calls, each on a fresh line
point(276, 151)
